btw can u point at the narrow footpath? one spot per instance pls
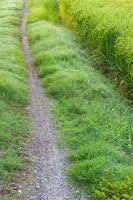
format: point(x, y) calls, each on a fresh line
point(49, 160)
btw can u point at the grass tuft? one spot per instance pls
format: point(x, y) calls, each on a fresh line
point(40, 10)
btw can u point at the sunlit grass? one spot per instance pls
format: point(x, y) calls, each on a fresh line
point(107, 26)
point(40, 10)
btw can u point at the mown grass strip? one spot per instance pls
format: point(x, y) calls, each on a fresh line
point(14, 124)
point(107, 26)
point(95, 121)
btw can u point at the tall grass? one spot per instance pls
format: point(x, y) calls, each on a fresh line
point(107, 26)
point(13, 93)
point(95, 121)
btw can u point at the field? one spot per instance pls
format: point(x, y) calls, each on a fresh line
point(94, 120)
point(106, 26)
point(13, 94)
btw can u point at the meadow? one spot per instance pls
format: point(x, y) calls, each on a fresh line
point(94, 120)
point(106, 26)
point(14, 124)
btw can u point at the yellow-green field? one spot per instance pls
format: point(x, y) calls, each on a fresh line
point(107, 26)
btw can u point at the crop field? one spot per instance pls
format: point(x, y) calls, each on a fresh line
point(94, 120)
point(13, 93)
point(108, 27)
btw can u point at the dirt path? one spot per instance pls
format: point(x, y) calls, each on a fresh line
point(49, 159)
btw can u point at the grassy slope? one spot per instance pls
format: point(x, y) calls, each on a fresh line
point(106, 25)
point(95, 122)
point(13, 91)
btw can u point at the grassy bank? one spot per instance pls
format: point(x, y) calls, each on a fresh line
point(13, 94)
point(40, 10)
point(95, 122)
point(107, 26)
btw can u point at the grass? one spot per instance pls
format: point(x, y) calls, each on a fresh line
point(94, 120)
point(14, 125)
point(107, 26)
point(40, 10)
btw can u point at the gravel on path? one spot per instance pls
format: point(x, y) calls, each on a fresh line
point(49, 159)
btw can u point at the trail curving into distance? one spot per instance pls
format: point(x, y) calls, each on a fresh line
point(48, 169)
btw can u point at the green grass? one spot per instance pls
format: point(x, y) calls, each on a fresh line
point(95, 121)
point(107, 26)
point(14, 125)
point(40, 10)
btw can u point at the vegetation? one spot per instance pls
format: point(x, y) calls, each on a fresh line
point(95, 121)
point(107, 26)
point(13, 92)
point(40, 10)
